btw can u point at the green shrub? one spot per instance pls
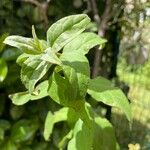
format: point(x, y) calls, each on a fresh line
point(59, 69)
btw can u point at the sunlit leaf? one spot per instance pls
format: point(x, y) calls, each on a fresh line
point(32, 71)
point(74, 60)
point(3, 69)
point(83, 43)
point(23, 97)
point(102, 90)
point(51, 57)
point(94, 137)
point(65, 29)
point(104, 130)
point(27, 45)
point(51, 119)
point(82, 139)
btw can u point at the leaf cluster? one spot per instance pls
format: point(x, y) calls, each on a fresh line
point(58, 68)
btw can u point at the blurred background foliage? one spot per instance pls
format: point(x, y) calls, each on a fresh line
point(125, 60)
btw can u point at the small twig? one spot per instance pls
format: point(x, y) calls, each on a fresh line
point(98, 55)
point(95, 11)
point(102, 24)
point(95, 69)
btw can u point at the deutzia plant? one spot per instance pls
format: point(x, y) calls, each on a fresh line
point(58, 68)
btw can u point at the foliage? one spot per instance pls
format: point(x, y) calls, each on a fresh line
point(59, 69)
point(125, 25)
point(3, 65)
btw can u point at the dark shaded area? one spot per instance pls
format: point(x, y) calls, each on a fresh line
point(138, 133)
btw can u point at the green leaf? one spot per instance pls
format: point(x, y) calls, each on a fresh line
point(94, 137)
point(82, 139)
point(49, 124)
point(20, 98)
point(58, 90)
point(40, 44)
point(83, 43)
point(65, 29)
point(101, 90)
point(23, 97)
point(32, 71)
point(65, 139)
point(27, 45)
point(8, 145)
point(34, 33)
point(74, 60)
point(83, 131)
point(34, 67)
point(3, 69)
point(22, 58)
point(72, 117)
point(80, 64)
point(71, 76)
point(23, 130)
point(61, 115)
point(2, 38)
point(104, 130)
point(51, 119)
point(51, 57)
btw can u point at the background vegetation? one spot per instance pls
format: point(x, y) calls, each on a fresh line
point(125, 60)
